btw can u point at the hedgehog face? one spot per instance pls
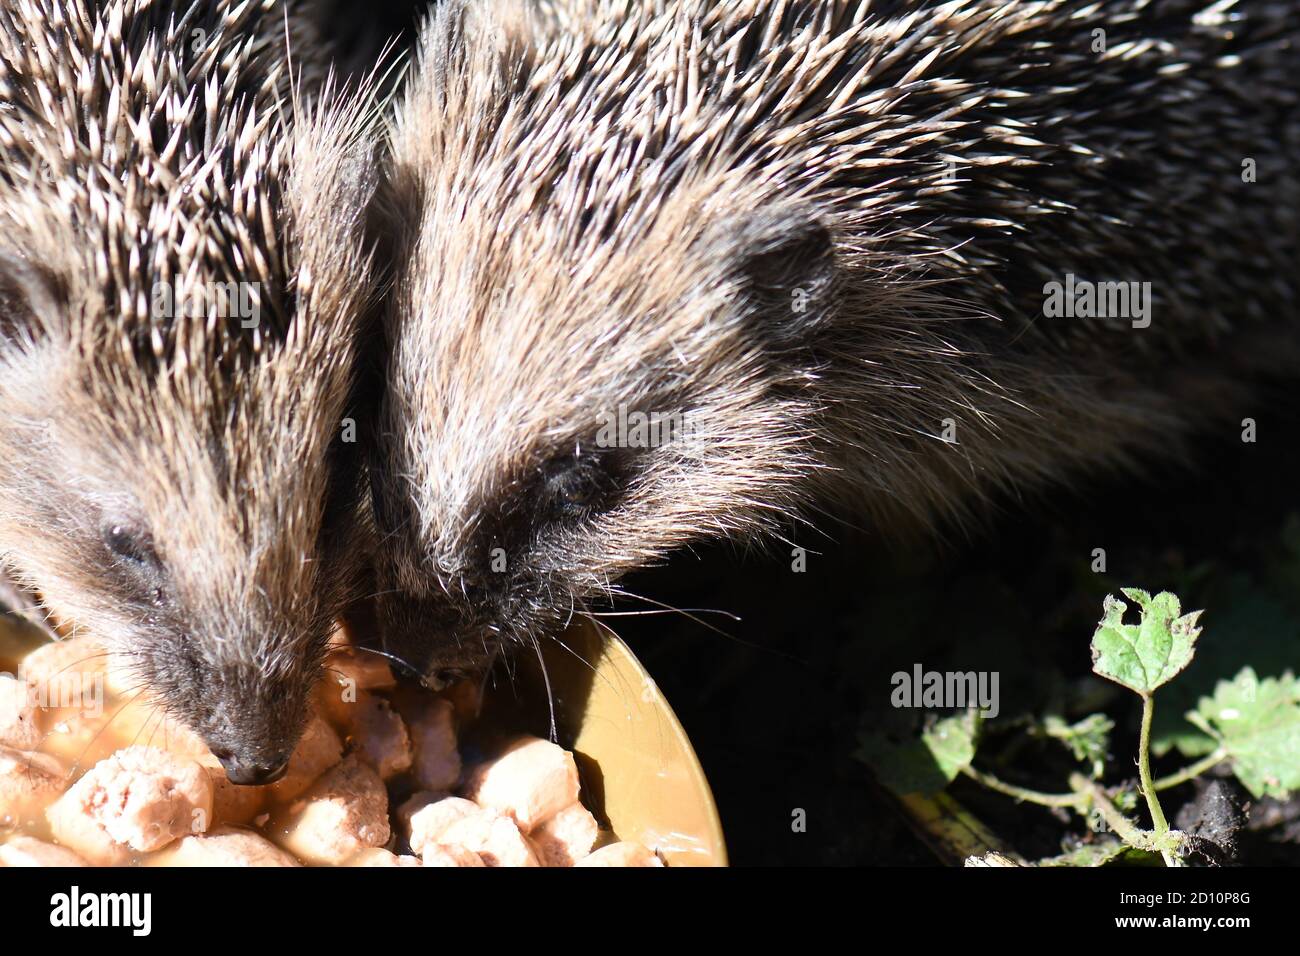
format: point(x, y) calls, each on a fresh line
point(542, 437)
point(202, 529)
point(183, 485)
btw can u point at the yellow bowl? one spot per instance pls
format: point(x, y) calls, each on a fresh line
point(639, 772)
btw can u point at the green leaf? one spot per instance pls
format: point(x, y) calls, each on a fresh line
point(1258, 723)
point(1101, 853)
point(1088, 740)
point(1145, 655)
point(1251, 627)
point(927, 764)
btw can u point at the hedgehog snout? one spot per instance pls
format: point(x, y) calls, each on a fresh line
point(433, 640)
point(247, 761)
point(250, 717)
point(244, 772)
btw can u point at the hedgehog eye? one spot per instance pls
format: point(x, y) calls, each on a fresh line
point(130, 545)
point(568, 490)
point(581, 484)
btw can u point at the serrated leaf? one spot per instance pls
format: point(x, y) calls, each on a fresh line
point(926, 764)
point(1258, 723)
point(1088, 739)
point(1251, 627)
point(1145, 655)
point(1089, 855)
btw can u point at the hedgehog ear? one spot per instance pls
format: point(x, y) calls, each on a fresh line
point(30, 297)
point(784, 261)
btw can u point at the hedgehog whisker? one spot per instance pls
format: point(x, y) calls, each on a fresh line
point(108, 723)
point(388, 655)
point(546, 680)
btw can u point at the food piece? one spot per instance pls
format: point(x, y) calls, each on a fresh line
point(439, 854)
point(493, 836)
point(621, 854)
point(224, 846)
point(532, 781)
point(414, 804)
point(566, 837)
point(141, 799)
point(349, 675)
point(433, 736)
point(466, 698)
point(66, 673)
point(380, 736)
point(344, 812)
point(427, 824)
point(143, 721)
point(28, 781)
point(29, 851)
point(231, 803)
point(78, 739)
point(378, 856)
point(349, 662)
point(317, 751)
point(18, 714)
point(359, 668)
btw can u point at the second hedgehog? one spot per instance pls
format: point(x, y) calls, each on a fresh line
point(831, 239)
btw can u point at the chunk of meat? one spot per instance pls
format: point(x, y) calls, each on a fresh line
point(140, 799)
point(79, 739)
point(436, 763)
point(19, 724)
point(67, 673)
point(493, 836)
point(143, 721)
point(378, 856)
point(438, 854)
point(225, 846)
point(319, 749)
point(28, 781)
point(359, 667)
point(430, 821)
point(532, 781)
point(344, 812)
point(29, 851)
point(413, 805)
point(566, 837)
point(466, 698)
point(621, 854)
point(231, 803)
point(349, 676)
point(380, 736)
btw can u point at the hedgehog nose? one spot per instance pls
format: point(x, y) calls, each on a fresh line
point(253, 774)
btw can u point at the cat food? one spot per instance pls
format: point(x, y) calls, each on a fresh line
point(92, 775)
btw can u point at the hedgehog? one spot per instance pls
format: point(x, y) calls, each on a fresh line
point(674, 272)
point(182, 281)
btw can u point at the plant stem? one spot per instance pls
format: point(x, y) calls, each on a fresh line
point(1127, 830)
point(1020, 793)
point(1161, 826)
point(1191, 772)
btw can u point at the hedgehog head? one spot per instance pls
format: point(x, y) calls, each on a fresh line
point(180, 280)
point(565, 401)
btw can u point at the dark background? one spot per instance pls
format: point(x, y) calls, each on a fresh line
point(774, 712)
